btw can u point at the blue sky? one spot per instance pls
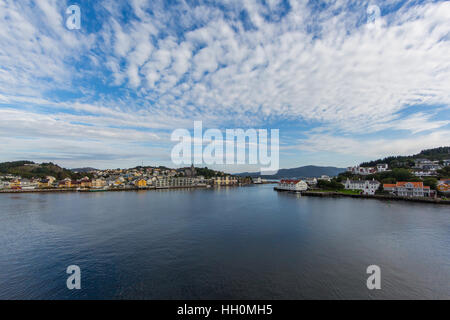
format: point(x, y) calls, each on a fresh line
point(341, 85)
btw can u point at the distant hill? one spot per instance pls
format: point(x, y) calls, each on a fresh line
point(300, 172)
point(441, 153)
point(29, 169)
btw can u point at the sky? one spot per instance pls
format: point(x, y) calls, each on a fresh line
point(342, 81)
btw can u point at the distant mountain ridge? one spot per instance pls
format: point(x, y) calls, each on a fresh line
point(300, 172)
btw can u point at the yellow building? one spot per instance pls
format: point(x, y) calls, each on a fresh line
point(85, 183)
point(225, 181)
point(444, 187)
point(15, 184)
point(44, 183)
point(67, 183)
point(140, 183)
point(50, 179)
point(98, 183)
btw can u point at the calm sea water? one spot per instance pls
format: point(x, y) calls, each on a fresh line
point(232, 243)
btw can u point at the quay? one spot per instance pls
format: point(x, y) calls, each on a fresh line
point(365, 196)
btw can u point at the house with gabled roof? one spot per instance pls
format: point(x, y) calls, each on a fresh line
point(292, 185)
point(366, 186)
point(408, 189)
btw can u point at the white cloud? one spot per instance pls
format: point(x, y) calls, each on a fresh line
point(373, 148)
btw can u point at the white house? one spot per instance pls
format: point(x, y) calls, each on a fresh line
point(408, 189)
point(311, 181)
point(292, 185)
point(364, 171)
point(381, 167)
point(427, 164)
point(425, 173)
point(324, 178)
point(257, 180)
point(366, 186)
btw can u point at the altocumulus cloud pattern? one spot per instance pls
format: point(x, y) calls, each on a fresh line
point(336, 82)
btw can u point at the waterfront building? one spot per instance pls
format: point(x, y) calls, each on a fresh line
point(225, 181)
point(408, 189)
point(311, 181)
point(27, 184)
point(292, 185)
point(62, 184)
point(257, 180)
point(119, 181)
point(179, 182)
point(368, 187)
point(162, 182)
point(75, 184)
point(44, 183)
point(444, 186)
point(140, 183)
point(182, 182)
point(51, 180)
point(85, 183)
point(98, 183)
point(66, 183)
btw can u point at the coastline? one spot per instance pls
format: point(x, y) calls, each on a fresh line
point(362, 196)
point(67, 190)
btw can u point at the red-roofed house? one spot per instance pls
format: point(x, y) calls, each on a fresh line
point(408, 189)
point(293, 185)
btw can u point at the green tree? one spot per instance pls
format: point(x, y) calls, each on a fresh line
point(330, 185)
point(430, 182)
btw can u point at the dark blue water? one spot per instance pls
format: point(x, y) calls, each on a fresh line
point(235, 243)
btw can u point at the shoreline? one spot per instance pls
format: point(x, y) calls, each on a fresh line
point(363, 196)
point(71, 190)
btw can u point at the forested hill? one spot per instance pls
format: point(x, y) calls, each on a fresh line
point(441, 153)
point(29, 169)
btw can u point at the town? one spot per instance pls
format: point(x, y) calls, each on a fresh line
point(403, 177)
point(394, 177)
point(139, 178)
